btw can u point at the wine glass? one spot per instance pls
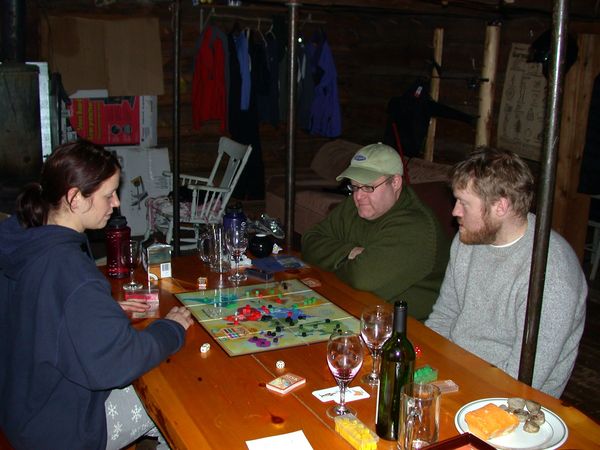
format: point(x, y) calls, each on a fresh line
point(375, 329)
point(130, 257)
point(345, 358)
point(236, 240)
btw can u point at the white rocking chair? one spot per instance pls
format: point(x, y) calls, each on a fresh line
point(208, 201)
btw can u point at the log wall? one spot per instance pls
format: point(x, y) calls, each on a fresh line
point(377, 56)
point(378, 53)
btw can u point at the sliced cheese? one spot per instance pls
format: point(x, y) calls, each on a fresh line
point(490, 421)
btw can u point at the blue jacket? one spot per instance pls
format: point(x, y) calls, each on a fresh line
point(325, 114)
point(64, 341)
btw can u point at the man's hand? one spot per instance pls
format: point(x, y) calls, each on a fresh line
point(355, 252)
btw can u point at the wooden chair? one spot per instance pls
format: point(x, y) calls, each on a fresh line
point(210, 195)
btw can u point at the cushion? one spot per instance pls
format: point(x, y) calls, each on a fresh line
point(438, 196)
point(333, 157)
point(422, 171)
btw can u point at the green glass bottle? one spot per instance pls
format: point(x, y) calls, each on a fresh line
point(397, 369)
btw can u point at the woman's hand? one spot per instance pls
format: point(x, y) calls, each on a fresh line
point(181, 315)
point(134, 305)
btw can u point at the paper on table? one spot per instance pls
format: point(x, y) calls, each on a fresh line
point(244, 261)
point(333, 394)
point(290, 441)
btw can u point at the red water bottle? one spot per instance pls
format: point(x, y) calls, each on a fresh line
point(117, 232)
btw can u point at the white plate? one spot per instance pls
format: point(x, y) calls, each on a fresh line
point(553, 433)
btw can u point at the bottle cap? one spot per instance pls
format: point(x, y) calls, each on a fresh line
point(117, 222)
point(235, 208)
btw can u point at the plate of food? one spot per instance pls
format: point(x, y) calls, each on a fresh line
point(512, 424)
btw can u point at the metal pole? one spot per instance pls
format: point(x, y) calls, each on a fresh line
point(13, 31)
point(545, 193)
point(290, 193)
point(176, 130)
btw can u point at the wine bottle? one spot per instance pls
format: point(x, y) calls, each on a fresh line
point(397, 369)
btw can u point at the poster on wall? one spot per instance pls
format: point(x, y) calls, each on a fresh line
point(522, 109)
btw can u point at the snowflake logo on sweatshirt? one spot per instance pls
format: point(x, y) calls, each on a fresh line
point(111, 410)
point(116, 431)
point(136, 413)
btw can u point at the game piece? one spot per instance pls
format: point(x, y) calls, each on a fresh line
point(285, 383)
point(355, 432)
point(425, 374)
point(202, 282)
point(205, 347)
point(418, 351)
point(446, 386)
point(280, 364)
point(311, 282)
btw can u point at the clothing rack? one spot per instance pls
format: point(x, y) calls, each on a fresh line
point(212, 13)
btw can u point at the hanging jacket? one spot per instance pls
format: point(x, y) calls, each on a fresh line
point(411, 113)
point(241, 46)
point(325, 115)
point(209, 94)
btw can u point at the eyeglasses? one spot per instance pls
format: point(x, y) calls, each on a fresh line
point(366, 188)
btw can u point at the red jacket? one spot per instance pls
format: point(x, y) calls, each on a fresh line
point(209, 97)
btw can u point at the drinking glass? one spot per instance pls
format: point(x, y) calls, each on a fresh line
point(345, 358)
point(375, 329)
point(419, 421)
point(236, 239)
point(130, 254)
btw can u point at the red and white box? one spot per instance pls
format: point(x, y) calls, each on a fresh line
point(130, 120)
point(149, 296)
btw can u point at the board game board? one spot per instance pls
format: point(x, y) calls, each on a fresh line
point(266, 316)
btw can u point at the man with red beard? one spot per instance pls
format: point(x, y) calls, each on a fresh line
point(483, 298)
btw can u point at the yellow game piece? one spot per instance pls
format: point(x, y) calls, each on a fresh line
point(355, 432)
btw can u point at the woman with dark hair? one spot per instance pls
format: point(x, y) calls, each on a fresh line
point(67, 351)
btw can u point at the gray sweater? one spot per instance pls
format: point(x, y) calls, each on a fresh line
point(483, 300)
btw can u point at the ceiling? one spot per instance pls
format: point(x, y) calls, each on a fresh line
point(579, 10)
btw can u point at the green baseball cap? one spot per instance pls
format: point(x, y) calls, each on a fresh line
point(371, 162)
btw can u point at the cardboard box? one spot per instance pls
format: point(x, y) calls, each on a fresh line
point(123, 56)
point(141, 177)
point(114, 120)
point(159, 261)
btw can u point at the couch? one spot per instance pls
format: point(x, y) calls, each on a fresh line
point(317, 191)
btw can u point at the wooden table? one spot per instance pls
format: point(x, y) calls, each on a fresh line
point(214, 401)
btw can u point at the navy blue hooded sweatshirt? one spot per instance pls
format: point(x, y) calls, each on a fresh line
point(65, 343)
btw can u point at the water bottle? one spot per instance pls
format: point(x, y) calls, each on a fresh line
point(117, 232)
point(234, 216)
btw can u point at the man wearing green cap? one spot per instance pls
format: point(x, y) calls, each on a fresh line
point(382, 239)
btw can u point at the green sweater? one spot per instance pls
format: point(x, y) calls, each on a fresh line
point(405, 251)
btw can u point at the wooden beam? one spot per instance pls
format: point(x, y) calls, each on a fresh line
point(571, 209)
point(434, 90)
point(487, 88)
